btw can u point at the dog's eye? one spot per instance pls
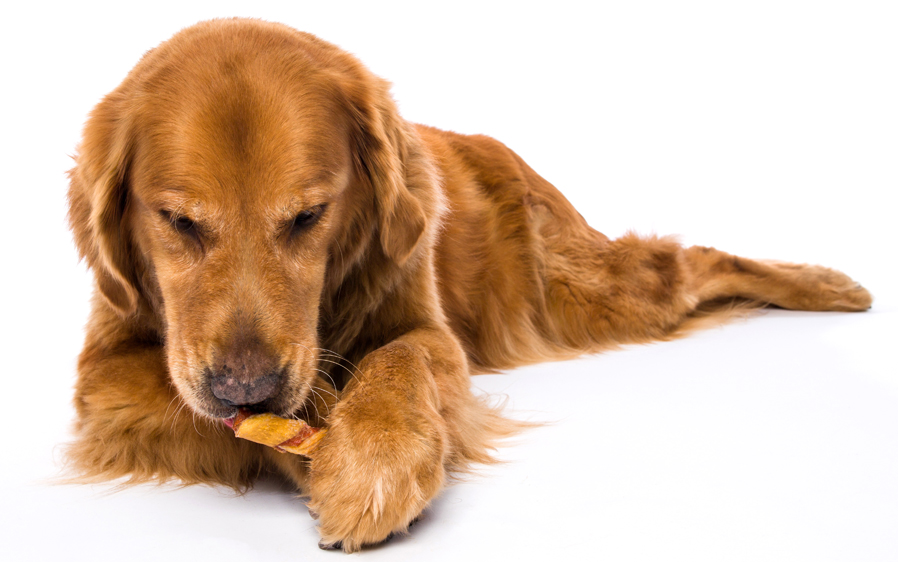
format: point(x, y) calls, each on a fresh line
point(181, 223)
point(304, 220)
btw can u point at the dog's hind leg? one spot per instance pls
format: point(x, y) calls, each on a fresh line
point(600, 292)
point(717, 275)
point(635, 289)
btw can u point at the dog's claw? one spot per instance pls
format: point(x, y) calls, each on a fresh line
point(330, 546)
point(339, 545)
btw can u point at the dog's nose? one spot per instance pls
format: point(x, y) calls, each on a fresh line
point(234, 392)
point(244, 376)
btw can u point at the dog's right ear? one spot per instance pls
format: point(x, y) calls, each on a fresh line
point(97, 199)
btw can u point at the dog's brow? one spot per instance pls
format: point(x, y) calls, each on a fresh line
point(296, 205)
point(314, 189)
point(178, 203)
point(321, 177)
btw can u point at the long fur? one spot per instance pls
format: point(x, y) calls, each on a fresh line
point(430, 256)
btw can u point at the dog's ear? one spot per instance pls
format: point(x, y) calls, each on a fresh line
point(386, 148)
point(97, 199)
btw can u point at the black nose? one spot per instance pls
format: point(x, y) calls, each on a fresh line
point(244, 373)
point(233, 391)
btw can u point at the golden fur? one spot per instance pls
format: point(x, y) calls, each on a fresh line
point(252, 205)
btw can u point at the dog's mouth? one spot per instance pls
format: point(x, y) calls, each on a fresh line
point(240, 415)
point(232, 420)
point(229, 414)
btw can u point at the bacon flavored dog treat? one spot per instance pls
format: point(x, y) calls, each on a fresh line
point(282, 434)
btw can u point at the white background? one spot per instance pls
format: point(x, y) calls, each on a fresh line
point(768, 129)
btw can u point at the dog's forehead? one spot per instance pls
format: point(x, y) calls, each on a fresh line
point(236, 143)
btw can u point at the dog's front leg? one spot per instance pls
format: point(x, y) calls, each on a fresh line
point(133, 424)
point(390, 439)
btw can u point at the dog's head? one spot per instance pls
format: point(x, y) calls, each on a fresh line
point(239, 170)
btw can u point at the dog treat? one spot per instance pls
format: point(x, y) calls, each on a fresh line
point(284, 435)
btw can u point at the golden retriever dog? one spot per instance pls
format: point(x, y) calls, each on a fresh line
point(266, 232)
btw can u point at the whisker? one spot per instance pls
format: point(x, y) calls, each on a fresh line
point(351, 373)
point(332, 352)
point(165, 415)
point(314, 405)
point(328, 375)
point(324, 389)
point(337, 363)
point(326, 405)
point(341, 357)
point(177, 413)
point(194, 425)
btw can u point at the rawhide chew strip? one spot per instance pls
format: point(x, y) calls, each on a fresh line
point(282, 434)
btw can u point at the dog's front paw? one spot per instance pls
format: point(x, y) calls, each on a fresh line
point(379, 466)
point(367, 486)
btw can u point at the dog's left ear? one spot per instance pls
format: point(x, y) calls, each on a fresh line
point(390, 156)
